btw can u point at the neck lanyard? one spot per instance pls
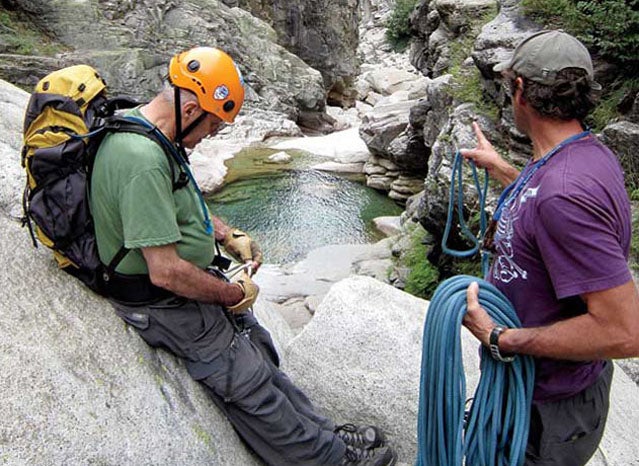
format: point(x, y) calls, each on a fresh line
point(513, 189)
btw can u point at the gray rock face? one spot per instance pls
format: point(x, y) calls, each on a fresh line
point(13, 103)
point(377, 332)
point(633, 115)
point(400, 133)
point(396, 148)
point(79, 388)
point(322, 33)
point(383, 124)
point(437, 25)
point(131, 42)
point(347, 392)
point(623, 138)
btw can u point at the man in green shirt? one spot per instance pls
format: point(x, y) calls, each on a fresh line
point(151, 221)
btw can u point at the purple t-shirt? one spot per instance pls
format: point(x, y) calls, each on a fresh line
point(567, 233)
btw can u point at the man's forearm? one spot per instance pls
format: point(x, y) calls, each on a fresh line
point(579, 338)
point(191, 282)
point(504, 173)
point(167, 270)
point(220, 228)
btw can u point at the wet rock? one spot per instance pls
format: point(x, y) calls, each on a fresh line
point(280, 158)
point(343, 146)
point(388, 225)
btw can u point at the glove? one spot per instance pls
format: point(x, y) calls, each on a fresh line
point(243, 249)
point(249, 290)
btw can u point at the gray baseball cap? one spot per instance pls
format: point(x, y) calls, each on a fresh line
point(542, 55)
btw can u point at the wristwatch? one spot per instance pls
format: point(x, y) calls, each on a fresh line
point(494, 345)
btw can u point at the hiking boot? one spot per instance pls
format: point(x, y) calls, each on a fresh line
point(364, 437)
point(382, 456)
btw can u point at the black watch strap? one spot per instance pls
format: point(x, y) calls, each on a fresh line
point(494, 345)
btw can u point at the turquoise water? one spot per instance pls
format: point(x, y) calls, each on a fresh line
point(291, 212)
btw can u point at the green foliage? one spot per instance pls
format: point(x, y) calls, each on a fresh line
point(470, 266)
point(466, 84)
point(466, 87)
point(398, 25)
point(607, 108)
point(18, 36)
point(608, 27)
point(423, 277)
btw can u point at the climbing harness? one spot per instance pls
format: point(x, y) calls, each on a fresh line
point(456, 195)
point(496, 428)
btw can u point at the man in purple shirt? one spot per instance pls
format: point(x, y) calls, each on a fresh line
point(560, 250)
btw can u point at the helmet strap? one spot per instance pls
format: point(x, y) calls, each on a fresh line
point(179, 134)
point(193, 125)
point(178, 123)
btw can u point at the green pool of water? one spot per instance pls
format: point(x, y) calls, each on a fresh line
point(293, 211)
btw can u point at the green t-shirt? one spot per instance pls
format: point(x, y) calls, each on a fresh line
point(133, 203)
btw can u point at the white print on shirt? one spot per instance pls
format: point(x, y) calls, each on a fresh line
point(529, 194)
point(505, 269)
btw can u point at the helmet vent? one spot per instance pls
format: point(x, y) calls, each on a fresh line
point(193, 66)
point(199, 84)
point(228, 105)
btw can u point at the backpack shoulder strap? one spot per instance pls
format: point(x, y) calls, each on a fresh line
point(138, 126)
point(116, 123)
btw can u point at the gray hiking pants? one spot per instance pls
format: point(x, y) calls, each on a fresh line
point(567, 432)
point(271, 414)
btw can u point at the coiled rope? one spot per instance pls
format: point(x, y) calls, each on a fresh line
point(495, 430)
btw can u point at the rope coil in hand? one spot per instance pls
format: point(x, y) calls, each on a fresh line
point(496, 430)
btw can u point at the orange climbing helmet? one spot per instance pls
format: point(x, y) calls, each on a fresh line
point(214, 78)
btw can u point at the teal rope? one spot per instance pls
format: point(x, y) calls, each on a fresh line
point(456, 193)
point(496, 432)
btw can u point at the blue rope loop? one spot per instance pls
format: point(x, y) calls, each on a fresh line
point(456, 196)
point(496, 430)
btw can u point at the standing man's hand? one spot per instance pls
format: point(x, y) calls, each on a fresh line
point(243, 248)
point(485, 156)
point(477, 319)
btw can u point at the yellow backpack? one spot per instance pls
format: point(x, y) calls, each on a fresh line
point(66, 118)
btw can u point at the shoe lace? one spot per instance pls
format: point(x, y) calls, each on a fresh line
point(357, 454)
point(349, 434)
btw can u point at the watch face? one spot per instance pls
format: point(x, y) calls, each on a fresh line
point(494, 345)
point(494, 335)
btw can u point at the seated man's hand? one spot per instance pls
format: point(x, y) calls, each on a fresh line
point(249, 292)
point(243, 249)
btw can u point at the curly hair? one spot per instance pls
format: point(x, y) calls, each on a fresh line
point(570, 97)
